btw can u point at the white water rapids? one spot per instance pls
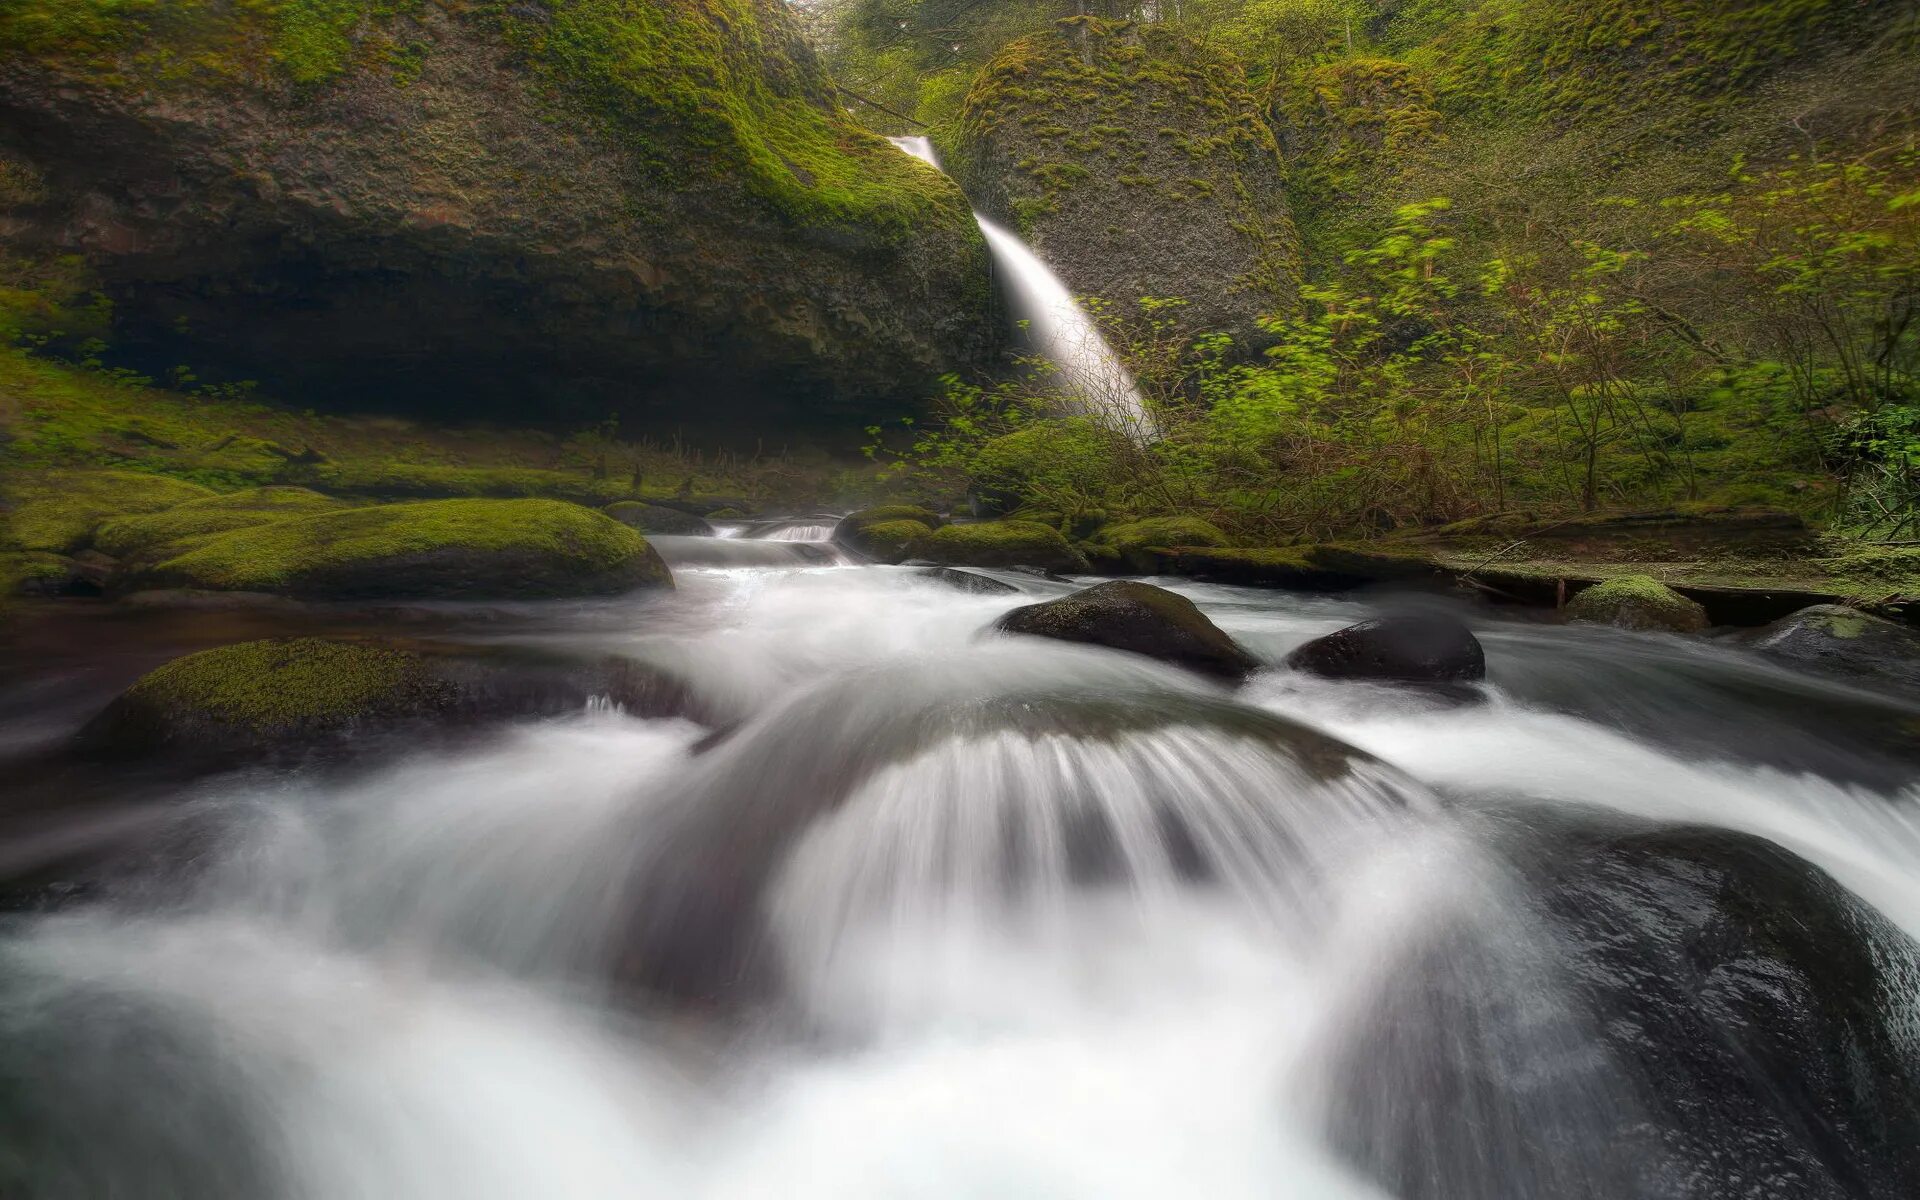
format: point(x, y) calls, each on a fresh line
point(1057, 326)
point(1036, 920)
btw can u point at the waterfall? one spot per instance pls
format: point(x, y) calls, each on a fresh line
point(1061, 330)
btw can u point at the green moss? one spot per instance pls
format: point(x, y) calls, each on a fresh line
point(1637, 602)
point(59, 511)
point(1163, 531)
point(216, 514)
point(886, 533)
point(30, 572)
point(454, 548)
point(727, 87)
point(1000, 544)
point(426, 481)
point(272, 686)
point(148, 42)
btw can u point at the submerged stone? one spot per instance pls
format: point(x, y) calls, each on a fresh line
point(967, 581)
point(1140, 619)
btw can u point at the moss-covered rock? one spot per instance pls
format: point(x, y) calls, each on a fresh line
point(1000, 544)
point(545, 209)
point(1846, 642)
point(1125, 547)
point(887, 533)
point(270, 698)
point(658, 518)
point(433, 548)
point(36, 573)
point(1637, 602)
point(124, 537)
point(58, 511)
point(1140, 619)
point(1137, 163)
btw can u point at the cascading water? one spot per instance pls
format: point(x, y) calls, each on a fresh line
point(1060, 330)
point(932, 913)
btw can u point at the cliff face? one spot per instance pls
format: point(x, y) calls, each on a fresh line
point(1138, 165)
point(548, 209)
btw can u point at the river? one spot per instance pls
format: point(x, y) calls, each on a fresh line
point(918, 911)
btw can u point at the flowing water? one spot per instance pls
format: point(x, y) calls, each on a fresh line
point(1058, 328)
point(924, 911)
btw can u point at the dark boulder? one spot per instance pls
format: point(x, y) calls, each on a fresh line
point(966, 581)
point(1138, 618)
point(1844, 641)
point(1407, 647)
point(1645, 1012)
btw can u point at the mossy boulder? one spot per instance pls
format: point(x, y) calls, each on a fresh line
point(658, 518)
point(457, 549)
point(37, 573)
point(124, 537)
point(267, 699)
point(1845, 642)
point(59, 511)
point(1637, 602)
point(1126, 546)
point(1417, 647)
point(1000, 544)
point(546, 210)
point(1140, 619)
point(886, 533)
point(1137, 162)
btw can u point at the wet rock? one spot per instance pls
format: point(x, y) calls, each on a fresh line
point(1138, 618)
point(886, 534)
point(1659, 1012)
point(293, 697)
point(1404, 647)
point(1638, 602)
point(1845, 641)
point(1000, 544)
point(1327, 567)
point(966, 581)
point(469, 549)
point(658, 518)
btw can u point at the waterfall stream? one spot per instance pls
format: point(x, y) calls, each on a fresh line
point(1058, 327)
point(929, 912)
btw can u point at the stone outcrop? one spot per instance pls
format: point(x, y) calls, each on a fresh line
point(530, 210)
